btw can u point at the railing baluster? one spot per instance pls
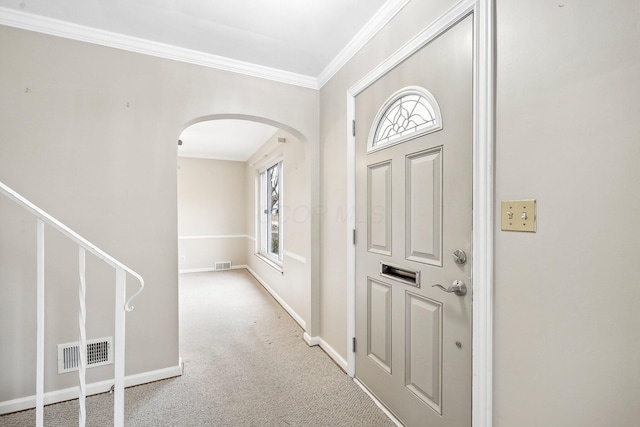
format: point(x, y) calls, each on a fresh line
point(118, 400)
point(122, 307)
point(40, 325)
point(82, 319)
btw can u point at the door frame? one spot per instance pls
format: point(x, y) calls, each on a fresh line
point(483, 190)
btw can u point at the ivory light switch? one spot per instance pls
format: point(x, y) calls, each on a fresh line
point(519, 215)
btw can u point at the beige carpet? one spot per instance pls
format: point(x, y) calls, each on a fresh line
point(245, 365)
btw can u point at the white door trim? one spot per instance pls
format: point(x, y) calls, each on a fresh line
point(483, 190)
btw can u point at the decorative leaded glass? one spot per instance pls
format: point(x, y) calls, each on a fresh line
point(407, 114)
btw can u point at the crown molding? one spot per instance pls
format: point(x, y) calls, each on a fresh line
point(41, 24)
point(55, 27)
point(375, 24)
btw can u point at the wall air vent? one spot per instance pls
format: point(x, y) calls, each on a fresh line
point(99, 353)
point(223, 265)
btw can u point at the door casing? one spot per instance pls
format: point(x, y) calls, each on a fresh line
point(483, 190)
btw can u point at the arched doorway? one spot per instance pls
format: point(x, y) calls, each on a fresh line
point(219, 205)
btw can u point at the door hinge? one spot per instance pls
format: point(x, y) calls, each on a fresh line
point(353, 127)
point(353, 342)
point(354, 236)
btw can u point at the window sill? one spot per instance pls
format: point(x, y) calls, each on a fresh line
point(270, 262)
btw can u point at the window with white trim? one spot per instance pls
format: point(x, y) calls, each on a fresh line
point(409, 113)
point(270, 236)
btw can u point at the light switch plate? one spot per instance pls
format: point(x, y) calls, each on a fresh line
point(519, 215)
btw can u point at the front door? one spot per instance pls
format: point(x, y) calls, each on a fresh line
point(414, 187)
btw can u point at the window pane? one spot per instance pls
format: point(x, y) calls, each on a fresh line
point(274, 209)
point(270, 187)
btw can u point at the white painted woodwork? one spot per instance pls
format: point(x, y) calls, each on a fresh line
point(118, 391)
point(122, 306)
point(379, 323)
point(93, 388)
point(39, 323)
point(82, 340)
point(379, 208)
point(242, 50)
point(484, 121)
point(73, 236)
point(423, 185)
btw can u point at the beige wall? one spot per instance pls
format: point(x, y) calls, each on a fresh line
point(567, 298)
point(292, 284)
point(568, 134)
point(211, 213)
point(93, 141)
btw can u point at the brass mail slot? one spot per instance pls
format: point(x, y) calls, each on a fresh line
point(410, 277)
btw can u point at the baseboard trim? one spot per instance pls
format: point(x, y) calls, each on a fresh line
point(70, 393)
point(379, 404)
point(313, 341)
point(196, 270)
point(208, 269)
point(222, 236)
point(280, 301)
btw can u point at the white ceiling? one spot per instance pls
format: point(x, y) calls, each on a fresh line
point(224, 139)
point(301, 42)
point(298, 36)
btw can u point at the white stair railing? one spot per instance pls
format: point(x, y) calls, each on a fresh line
point(121, 307)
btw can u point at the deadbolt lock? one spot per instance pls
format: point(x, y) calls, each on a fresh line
point(459, 257)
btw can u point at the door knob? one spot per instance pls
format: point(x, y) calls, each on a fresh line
point(458, 288)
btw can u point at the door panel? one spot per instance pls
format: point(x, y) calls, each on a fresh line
point(424, 344)
point(414, 341)
point(379, 324)
point(423, 184)
point(379, 208)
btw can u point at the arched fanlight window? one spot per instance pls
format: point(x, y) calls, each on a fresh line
point(407, 114)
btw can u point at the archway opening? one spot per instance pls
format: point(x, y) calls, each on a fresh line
point(223, 164)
